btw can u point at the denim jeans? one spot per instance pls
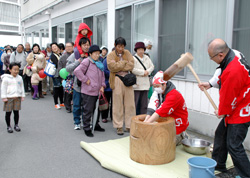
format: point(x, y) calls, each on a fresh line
point(77, 107)
point(230, 139)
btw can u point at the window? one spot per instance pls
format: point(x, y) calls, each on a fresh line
point(102, 30)
point(89, 22)
point(68, 30)
point(123, 25)
point(29, 38)
point(54, 34)
point(144, 23)
point(207, 21)
point(241, 32)
point(45, 37)
point(75, 28)
point(172, 32)
point(36, 38)
point(61, 34)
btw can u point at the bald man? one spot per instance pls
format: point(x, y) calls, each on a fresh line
point(233, 80)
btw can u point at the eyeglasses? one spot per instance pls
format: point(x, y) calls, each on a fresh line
point(216, 54)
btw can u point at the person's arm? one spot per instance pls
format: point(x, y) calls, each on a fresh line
point(30, 59)
point(72, 63)
point(130, 64)
point(54, 59)
point(12, 57)
point(151, 67)
point(153, 118)
point(79, 72)
point(137, 70)
point(106, 70)
point(114, 66)
point(4, 86)
point(77, 44)
point(152, 105)
point(60, 63)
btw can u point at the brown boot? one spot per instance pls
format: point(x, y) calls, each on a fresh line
point(40, 95)
point(119, 131)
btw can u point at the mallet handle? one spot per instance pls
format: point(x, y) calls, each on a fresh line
point(205, 91)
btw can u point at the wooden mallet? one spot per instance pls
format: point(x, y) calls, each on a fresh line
point(182, 62)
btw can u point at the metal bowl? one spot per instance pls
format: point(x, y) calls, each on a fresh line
point(195, 146)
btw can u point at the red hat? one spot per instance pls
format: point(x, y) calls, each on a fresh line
point(139, 45)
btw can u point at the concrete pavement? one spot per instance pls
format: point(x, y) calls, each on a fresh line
point(48, 146)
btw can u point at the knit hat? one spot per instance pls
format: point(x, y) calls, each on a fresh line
point(94, 48)
point(158, 78)
point(139, 45)
point(147, 42)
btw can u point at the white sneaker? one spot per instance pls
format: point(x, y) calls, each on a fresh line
point(77, 127)
point(57, 106)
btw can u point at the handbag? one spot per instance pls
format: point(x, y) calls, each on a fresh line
point(128, 80)
point(50, 69)
point(103, 102)
point(149, 76)
point(69, 84)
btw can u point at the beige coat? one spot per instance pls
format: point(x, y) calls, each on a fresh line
point(35, 78)
point(39, 62)
point(142, 82)
point(115, 65)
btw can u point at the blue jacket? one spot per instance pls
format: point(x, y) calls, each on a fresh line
point(106, 73)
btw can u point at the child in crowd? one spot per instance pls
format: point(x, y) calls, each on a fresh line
point(35, 79)
point(91, 73)
point(83, 31)
point(104, 53)
point(12, 93)
point(166, 101)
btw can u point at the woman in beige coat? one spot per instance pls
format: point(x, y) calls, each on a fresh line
point(35, 59)
point(143, 67)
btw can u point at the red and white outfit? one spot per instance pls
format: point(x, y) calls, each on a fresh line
point(169, 104)
point(234, 91)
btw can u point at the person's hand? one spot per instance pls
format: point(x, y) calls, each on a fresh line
point(4, 99)
point(88, 82)
point(146, 73)
point(80, 60)
point(47, 58)
point(102, 89)
point(216, 113)
point(82, 55)
point(147, 117)
point(203, 85)
point(22, 99)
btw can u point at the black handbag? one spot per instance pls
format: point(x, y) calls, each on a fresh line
point(128, 80)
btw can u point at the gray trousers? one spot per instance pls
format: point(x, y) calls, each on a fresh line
point(141, 101)
point(88, 109)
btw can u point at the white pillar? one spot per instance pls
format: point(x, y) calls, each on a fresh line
point(50, 29)
point(111, 24)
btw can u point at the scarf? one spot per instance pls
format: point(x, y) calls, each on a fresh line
point(98, 64)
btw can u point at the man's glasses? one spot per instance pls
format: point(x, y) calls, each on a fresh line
point(216, 55)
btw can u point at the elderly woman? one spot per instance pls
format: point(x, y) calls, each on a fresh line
point(143, 67)
point(35, 59)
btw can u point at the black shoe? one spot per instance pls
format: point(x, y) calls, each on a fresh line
point(9, 130)
point(88, 133)
point(221, 168)
point(98, 128)
point(69, 111)
point(17, 128)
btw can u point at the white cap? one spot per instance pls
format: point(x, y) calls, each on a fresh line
point(147, 42)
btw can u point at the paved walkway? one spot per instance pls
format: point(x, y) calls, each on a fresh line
point(49, 147)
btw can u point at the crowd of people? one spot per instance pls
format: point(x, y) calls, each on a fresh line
point(123, 80)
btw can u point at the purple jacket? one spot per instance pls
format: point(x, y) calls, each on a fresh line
point(94, 74)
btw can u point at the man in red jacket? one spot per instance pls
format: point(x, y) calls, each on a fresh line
point(234, 107)
point(166, 101)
